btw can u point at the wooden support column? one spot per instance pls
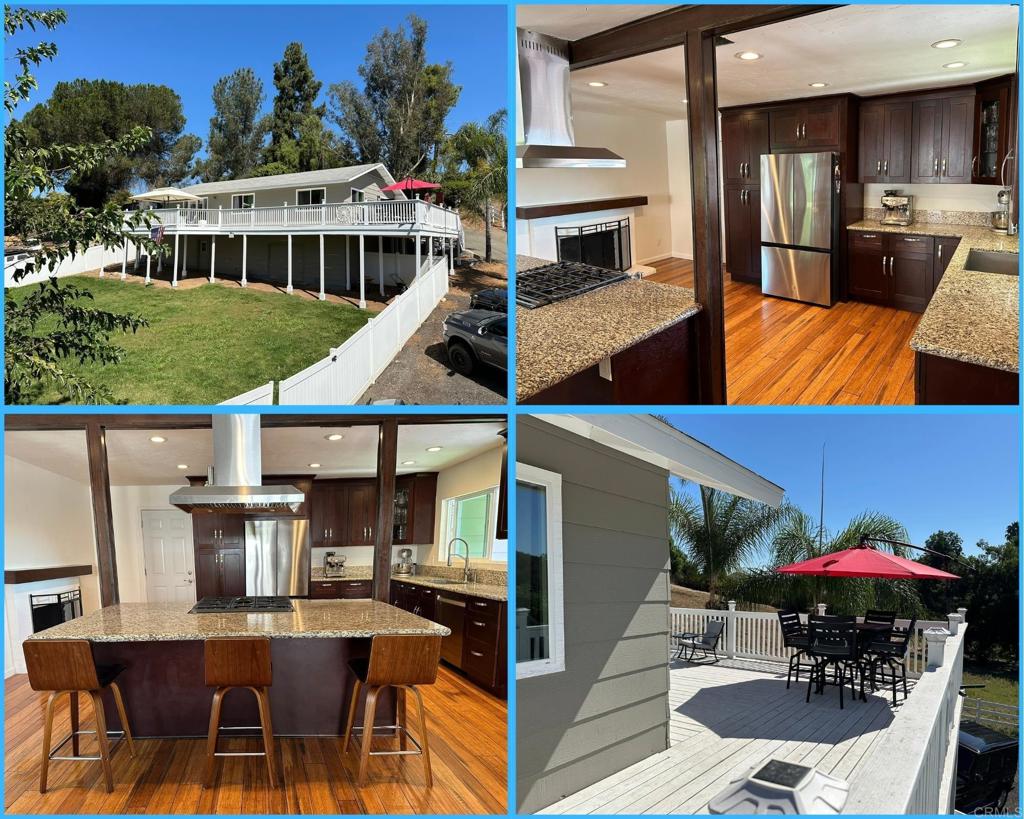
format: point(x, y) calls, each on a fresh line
point(174, 275)
point(245, 250)
point(701, 87)
point(290, 288)
point(387, 464)
point(103, 521)
point(323, 294)
point(362, 272)
point(213, 257)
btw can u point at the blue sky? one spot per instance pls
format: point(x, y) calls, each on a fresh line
point(189, 47)
point(930, 472)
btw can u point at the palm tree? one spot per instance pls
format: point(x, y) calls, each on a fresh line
point(800, 537)
point(484, 150)
point(721, 532)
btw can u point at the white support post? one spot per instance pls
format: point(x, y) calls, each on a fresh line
point(245, 250)
point(963, 614)
point(380, 263)
point(362, 272)
point(124, 262)
point(348, 264)
point(430, 252)
point(102, 254)
point(323, 295)
point(149, 257)
point(821, 609)
point(213, 258)
point(160, 261)
point(730, 630)
point(184, 256)
point(954, 621)
point(935, 640)
point(289, 289)
point(138, 257)
point(174, 275)
point(451, 256)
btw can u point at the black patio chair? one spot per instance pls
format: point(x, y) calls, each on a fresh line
point(708, 641)
point(794, 635)
point(833, 642)
point(890, 653)
point(881, 618)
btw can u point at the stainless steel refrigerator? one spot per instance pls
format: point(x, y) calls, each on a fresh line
point(799, 210)
point(277, 557)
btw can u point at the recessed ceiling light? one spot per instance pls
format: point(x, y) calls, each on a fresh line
point(157, 439)
point(748, 55)
point(950, 43)
point(182, 466)
point(957, 64)
point(433, 449)
point(408, 463)
point(818, 84)
point(334, 436)
point(596, 84)
point(314, 466)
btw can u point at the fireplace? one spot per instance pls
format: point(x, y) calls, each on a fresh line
point(604, 244)
point(50, 610)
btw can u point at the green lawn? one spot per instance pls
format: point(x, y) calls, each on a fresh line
point(206, 344)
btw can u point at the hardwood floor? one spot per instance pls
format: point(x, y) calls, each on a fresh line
point(468, 753)
point(785, 352)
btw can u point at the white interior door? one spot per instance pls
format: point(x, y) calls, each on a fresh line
point(169, 559)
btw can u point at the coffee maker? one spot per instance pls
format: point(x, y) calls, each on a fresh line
point(898, 208)
point(334, 565)
point(404, 567)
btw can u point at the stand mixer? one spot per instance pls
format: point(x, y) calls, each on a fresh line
point(1001, 217)
point(404, 566)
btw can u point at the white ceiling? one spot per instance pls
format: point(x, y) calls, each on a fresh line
point(135, 461)
point(865, 49)
point(574, 22)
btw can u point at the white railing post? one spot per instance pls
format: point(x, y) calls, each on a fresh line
point(963, 615)
point(954, 623)
point(935, 641)
point(821, 609)
point(730, 630)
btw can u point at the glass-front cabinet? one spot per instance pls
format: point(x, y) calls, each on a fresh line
point(992, 133)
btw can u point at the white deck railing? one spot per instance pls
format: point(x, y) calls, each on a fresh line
point(411, 214)
point(757, 635)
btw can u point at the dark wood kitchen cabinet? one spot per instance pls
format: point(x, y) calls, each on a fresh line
point(808, 125)
point(945, 247)
point(743, 233)
point(217, 530)
point(340, 589)
point(891, 269)
point(415, 501)
point(220, 572)
point(946, 381)
point(361, 503)
point(943, 139)
point(867, 274)
point(992, 126)
point(328, 522)
point(744, 139)
point(885, 141)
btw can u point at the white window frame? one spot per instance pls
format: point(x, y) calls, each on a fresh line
point(309, 190)
point(552, 484)
point(235, 196)
point(492, 522)
point(357, 195)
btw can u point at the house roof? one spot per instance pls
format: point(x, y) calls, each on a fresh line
point(329, 176)
point(652, 440)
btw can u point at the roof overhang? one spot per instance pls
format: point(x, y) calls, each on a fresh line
point(656, 442)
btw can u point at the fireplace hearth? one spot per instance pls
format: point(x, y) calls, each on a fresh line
point(50, 610)
point(603, 244)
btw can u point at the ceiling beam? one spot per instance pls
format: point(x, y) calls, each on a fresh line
point(668, 29)
point(25, 422)
point(387, 466)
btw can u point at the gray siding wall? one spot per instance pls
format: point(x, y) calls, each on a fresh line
point(609, 708)
point(370, 182)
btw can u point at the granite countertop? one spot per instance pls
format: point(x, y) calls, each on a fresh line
point(488, 590)
point(316, 574)
point(972, 317)
point(559, 340)
point(154, 622)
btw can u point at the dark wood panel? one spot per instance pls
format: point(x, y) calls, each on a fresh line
point(927, 140)
point(387, 463)
point(866, 272)
point(957, 138)
point(103, 520)
point(566, 208)
point(898, 136)
point(945, 247)
point(737, 236)
point(14, 576)
point(910, 271)
point(947, 381)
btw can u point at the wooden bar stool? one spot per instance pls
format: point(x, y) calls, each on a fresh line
point(239, 662)
point(68, 667)
point(403, 662)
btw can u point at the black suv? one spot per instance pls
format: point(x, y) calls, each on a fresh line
point(476, 336)
point(493, 298)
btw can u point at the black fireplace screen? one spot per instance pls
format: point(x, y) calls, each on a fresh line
point(603, 245)
point(53, 609)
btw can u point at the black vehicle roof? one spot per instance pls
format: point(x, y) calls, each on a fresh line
point(982, 739)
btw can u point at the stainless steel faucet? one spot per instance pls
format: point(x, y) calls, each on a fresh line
point(465, 571)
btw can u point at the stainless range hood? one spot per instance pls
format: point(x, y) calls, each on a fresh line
point(236, 477)
point(546, 101)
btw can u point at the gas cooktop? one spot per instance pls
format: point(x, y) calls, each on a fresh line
point(562, 280)
point(257, 604)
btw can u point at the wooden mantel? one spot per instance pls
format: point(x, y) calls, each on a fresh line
point(44, 573)
point(587, 206)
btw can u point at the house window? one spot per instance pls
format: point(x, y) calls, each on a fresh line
point(243, 200)
point(540, 634)
point(473, 518)
point(311, 196)
point(358, 195)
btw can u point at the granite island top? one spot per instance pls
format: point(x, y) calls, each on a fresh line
point(559, 340)
point(153, 622)
point(487, 590)
point(972, 317)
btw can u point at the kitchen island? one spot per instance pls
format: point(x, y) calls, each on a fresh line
point(625, 343)
point(161, 647)
point(966, 343)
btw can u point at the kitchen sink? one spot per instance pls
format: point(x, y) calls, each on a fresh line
point(992, 261)
point(444, 581)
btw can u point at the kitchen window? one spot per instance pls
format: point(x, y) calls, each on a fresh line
point(311, 196)
point(243, 200)
point(473, 518)
point(540, 633)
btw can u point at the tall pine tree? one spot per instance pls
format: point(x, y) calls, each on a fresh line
point(294, 108)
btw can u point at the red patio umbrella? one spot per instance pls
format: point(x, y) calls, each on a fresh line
point(865, 561)
point(410, 184)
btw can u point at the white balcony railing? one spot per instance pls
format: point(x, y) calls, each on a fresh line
point(410, 214)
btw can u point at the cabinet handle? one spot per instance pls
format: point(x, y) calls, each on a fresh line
point(892, 261)
point(974, 165)
point(870, 236)
point(475, 653)
point(878, 166)
point(910, 239)
point(741, 169)
point(798, 130)
point(943, 167)
point(479, 623)
point(935, 167)
point(1002, 168)
point(885, 167)
point(883, 264)
point(325, 534)
point(940, 253)
point(803, 131)
point(481, 605)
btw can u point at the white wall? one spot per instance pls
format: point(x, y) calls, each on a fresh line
point(970, 198)
point(677, 143)
point(48, 522)
point(127, 504)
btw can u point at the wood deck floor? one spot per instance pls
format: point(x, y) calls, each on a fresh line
point(726, 718)
point(784, 352)
point(468, 746)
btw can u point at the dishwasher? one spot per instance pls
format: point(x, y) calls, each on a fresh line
point(452, 613)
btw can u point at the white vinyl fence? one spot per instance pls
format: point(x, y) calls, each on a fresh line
point(72, 266)
point(260, 395)
point(344, 375)
point(757, 635)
